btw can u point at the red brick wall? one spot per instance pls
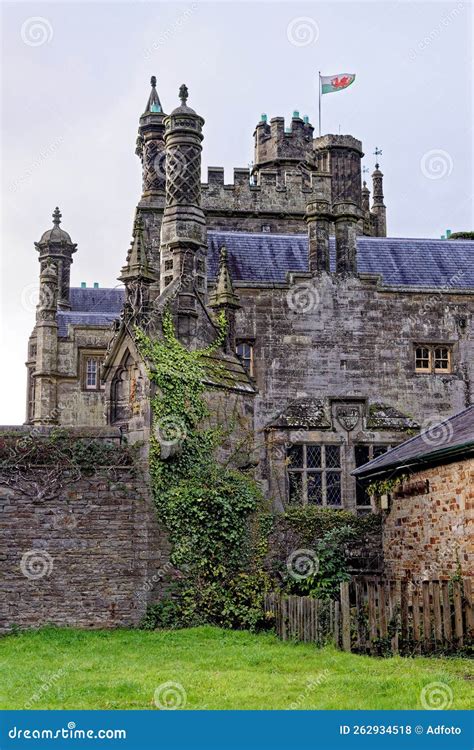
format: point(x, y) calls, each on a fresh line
point(431, 535)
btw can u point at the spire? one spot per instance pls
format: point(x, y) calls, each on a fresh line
point(153, 104)
point(136, 266)
point(224, 295)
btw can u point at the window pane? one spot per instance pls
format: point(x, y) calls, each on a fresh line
point(441, 358)
point(362, 496)
point(333, 488)
point(333, 456)
point(296, 487)
point(380, 449)
point(315, 487)
point(422, 358)
point(91, 373)
point(295, 456)
point(313, 456)
point(361, 454)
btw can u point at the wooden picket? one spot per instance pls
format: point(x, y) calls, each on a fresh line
point(376, 616)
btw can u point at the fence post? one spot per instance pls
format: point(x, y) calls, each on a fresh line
point(438, 630)
point(458, 612)
point(468, 606)
point(346, 616)
point(447, 623)
point(426, 615)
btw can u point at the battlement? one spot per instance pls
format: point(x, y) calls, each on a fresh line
point(331, 141)
point(277, 194)
point(276, 144)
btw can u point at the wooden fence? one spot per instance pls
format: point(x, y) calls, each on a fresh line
point(379, 617)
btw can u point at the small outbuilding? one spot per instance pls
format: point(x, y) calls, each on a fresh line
point(425, 488)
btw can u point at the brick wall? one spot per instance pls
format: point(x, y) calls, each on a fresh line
point(87, 557)
point(425, 535)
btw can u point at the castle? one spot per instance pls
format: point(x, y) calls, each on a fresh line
point(340, 340)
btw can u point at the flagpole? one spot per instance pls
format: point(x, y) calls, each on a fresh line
point(319, 90)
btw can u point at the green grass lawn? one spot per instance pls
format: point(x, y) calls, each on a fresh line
point(213, 669)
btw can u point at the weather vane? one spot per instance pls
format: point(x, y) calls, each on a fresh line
point(377, 153)
point(365, 170)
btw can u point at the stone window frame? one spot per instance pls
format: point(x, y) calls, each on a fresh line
point(91, 354)
point(321, 471)
point(247, 361)
point(168, 266)
point(374, 450)
point(427, 352)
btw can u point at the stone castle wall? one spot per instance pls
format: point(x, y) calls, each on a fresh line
point(87, 556)
point(430, 536)
point(338, 339)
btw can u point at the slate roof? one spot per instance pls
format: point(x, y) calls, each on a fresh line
point(400, 262)
point(267, 258)
point(452, 438)
point(91, 307)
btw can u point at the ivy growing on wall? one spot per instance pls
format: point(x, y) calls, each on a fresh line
point(207, 508)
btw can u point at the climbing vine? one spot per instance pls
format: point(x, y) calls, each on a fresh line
point(206, 507)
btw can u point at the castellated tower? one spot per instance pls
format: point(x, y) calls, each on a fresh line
point(183, 245)
point(278, 149)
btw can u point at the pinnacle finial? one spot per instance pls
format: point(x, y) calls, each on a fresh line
point(183, 94)
point(153, 82)
point(223, 255)
point(57, 215)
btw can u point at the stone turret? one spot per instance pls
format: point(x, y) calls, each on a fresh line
point(56, 247)
point(378, 206)
point(224, 298)
point(279, 150)
point(45, 388)
point(183, 244)
point(341, 156)
point(150, 146)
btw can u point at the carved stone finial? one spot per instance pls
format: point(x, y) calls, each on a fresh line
point(153, 81)
point(223, 255)
point(57, 216)
point(183, 94)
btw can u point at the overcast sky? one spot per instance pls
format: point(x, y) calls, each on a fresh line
point(76, 78)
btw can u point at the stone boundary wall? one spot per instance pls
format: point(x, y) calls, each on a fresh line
point(84, 557)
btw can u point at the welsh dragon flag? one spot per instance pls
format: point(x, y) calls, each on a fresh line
point(336, 83)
